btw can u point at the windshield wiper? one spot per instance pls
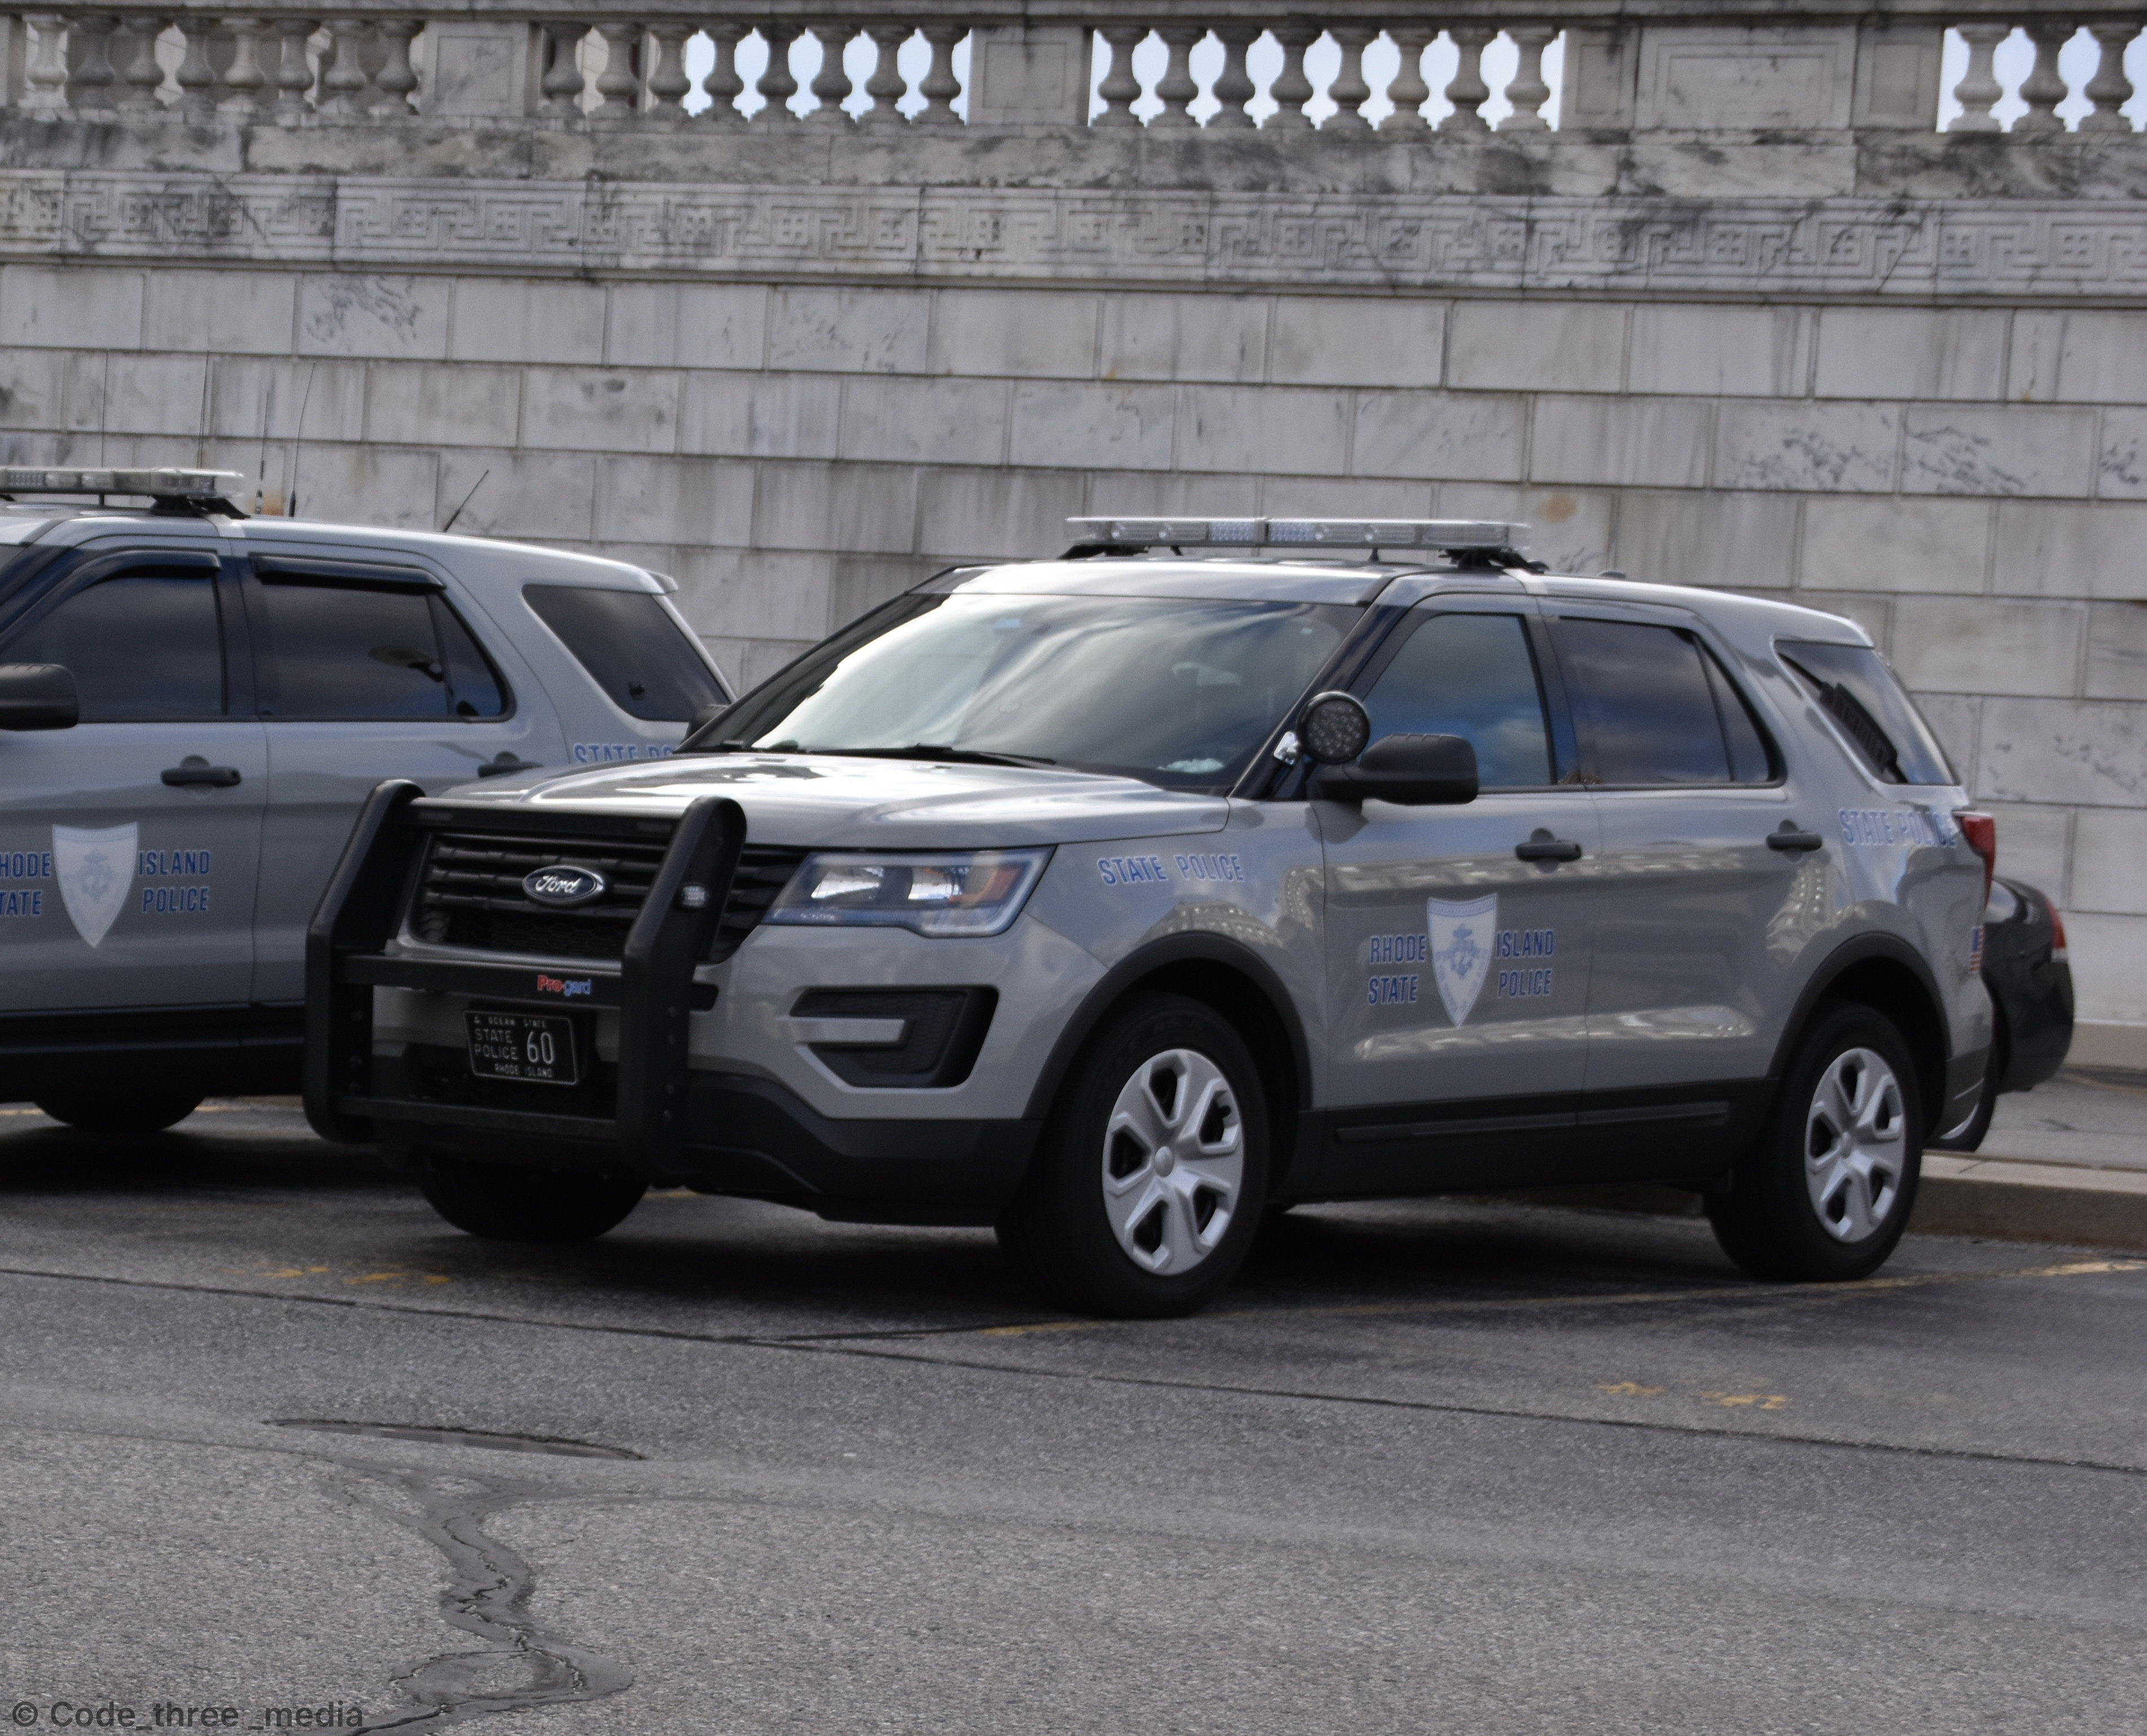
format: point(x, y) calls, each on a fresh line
point(939, 750)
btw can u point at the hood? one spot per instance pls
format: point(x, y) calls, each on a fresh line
point(858, 804)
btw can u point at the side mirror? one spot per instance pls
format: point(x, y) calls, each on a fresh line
point(1421, 771)
point(39, 696)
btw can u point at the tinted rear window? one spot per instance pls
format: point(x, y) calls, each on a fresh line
point(632, 648)
point(1855, 687)
point(357, 651)
point(1651, 707)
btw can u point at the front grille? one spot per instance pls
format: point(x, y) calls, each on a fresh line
point(763, 870)
point(470, 894)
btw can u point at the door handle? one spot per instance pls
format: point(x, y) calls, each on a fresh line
point(1542, 847)
point(1788, 839)
point(506, 762)
point(194, 770)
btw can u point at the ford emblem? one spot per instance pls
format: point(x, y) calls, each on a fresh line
point(564, 884)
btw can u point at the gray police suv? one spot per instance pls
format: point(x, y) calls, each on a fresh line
point(1114, 899)
point(194, 706)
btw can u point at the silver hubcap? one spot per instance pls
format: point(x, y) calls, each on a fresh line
point(1174, 1161)
point(1855, 1145)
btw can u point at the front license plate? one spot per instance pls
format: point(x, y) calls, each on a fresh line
point(536, 1048)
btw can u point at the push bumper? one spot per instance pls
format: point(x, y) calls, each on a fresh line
point(655, 1118)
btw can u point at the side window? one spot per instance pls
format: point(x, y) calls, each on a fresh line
point(1651, 707)
point(472, 683)
point(632, 648)
point(1472, 676)
point(1749, 760)
point(146, 645)
point(1855, 687)
point(358, 651)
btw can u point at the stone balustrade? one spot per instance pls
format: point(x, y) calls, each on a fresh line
point(1339, 70)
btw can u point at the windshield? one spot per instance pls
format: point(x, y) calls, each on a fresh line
point(1178, 691)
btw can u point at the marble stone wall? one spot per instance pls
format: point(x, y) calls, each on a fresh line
point(1970, 482)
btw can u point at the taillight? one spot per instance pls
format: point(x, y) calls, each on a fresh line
point(2058, 953)
point(1981, 832)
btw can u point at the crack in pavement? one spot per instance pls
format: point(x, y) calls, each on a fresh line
point(520, 1665)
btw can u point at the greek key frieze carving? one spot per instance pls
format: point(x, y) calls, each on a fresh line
point(1754, 245)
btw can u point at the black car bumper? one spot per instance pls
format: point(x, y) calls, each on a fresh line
point(650, 1115)
point(743, 1135)
point(2032, 989)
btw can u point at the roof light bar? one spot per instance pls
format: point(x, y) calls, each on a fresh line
point(161, 484)
point(1446, 536)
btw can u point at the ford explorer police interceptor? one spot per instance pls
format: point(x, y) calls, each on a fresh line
point(1216, 865)
point(194, 706)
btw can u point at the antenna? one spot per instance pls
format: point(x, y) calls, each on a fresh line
point(466, 499)
point(298, 442)
point(200, 431)
point(261, 471)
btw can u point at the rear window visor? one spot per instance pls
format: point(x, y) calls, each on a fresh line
point(1853, 687)
point(633, 648)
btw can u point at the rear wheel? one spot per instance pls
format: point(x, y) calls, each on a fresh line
point(504, 1204)
point(1826, 1190)
point(1146, 1190)
point(122, 1112)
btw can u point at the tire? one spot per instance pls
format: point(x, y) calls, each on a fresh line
point(144, 1113)
point(1146, 1191)
point(1827, 1188)
point(504, 1204)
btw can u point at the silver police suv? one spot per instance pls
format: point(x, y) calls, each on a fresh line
point(1118, 899)
point(194, 706)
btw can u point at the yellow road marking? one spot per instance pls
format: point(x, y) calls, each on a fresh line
point(1629, 1389)
point(2094, 1084)
point(1744, 1401)
point(378, 1277)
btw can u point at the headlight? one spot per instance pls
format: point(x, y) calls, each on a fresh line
point(960, 893)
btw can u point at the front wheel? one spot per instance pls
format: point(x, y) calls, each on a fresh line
point(1146, 1190)
point(504, 1204)
point(123, 1112)
point(1826, 1190)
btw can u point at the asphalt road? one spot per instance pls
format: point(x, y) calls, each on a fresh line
point(1431, 1467)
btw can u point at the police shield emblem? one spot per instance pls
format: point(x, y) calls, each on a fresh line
point(94, 870)
point(1461, 950)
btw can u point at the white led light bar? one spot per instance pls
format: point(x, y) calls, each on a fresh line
point(1446, 536)
point(163, 484)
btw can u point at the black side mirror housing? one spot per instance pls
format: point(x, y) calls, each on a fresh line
point(39, 696)
point(1418, 771)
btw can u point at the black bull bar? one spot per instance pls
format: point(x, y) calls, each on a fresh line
point(653, 988)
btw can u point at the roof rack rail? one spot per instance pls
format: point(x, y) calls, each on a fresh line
point(172, 490)
point(1484, 540)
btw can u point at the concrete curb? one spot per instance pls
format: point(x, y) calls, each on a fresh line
point(2029, 1201)
point(2012, 1200)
